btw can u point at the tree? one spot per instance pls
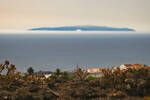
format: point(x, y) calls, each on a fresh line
point(30, 70)
point(6, 62)
point(11, 69)
point(65, 75)
point(80, 75)
point(58, 72)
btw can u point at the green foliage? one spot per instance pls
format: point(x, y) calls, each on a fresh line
point(30, 70)
point(91, 78)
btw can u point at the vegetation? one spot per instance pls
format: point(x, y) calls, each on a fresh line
point(30, 70)
point(130, 84)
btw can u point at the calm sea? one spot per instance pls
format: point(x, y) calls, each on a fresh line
point(49, 51)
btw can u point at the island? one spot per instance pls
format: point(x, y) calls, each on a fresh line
point(81, 28)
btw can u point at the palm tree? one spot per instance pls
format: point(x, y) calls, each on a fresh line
point(57, 72)
point(30, 70)
point(56, 75)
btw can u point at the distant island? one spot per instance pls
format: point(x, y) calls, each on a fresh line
point(81, 28)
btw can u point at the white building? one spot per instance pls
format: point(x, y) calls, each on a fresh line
point(95, 72)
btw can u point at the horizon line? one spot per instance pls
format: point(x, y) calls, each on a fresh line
point(24, 31)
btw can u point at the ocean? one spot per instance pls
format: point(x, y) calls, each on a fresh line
point(66, 51)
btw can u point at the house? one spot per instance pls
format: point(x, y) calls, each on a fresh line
point(127, 66)
point(95, 72)
point(45, 74)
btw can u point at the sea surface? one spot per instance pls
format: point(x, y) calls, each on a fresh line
point(66, 51)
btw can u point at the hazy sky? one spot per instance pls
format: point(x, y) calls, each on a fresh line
point(22, 14)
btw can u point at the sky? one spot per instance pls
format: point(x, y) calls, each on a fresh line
point(24, 14)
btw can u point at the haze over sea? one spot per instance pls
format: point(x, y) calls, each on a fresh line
point(65, 51)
